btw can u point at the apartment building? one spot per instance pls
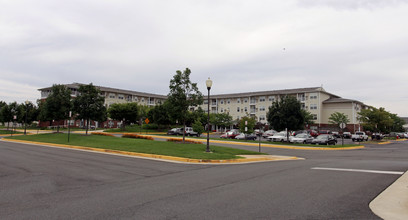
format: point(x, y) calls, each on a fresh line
point(320, 103)
point(114, 95)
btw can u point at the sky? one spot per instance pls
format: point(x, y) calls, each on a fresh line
point(356, 49)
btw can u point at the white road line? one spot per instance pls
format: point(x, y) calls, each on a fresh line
point(357, 170)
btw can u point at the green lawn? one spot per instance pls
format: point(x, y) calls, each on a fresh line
point(9, 132)
point(193, 151)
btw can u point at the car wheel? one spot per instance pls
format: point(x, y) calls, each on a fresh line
point(281, 140)
point(304, 142)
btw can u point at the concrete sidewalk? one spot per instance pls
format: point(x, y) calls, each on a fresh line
point(392, 203)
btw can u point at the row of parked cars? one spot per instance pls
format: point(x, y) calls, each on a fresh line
point(179, 131)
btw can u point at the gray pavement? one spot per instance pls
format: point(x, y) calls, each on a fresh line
point(48, 183)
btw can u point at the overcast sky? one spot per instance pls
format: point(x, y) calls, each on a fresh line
point(357, 49)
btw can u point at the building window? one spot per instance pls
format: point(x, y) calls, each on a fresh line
point(142, 99)
point(313, 95)
point(246, 109)
point(313, 106)
point(238, 101)
point(245, 100)
point(228, 101)
point(262, 99)
point(262, 108)
point(314, 116)
point(237, 109)
point(271, 98)
point(222, 101)
point(262, 118)
point(222, 110)
point(206, 102)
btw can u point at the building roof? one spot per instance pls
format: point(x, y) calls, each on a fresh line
point(340, 100)
point(274, 92)
point(108, 89)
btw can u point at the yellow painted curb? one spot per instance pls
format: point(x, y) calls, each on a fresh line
point(387, 142)
point(266, 145)
point(163, 157)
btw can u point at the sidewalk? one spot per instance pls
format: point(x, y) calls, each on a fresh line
point(392, 203)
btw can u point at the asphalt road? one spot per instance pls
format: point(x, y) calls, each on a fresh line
point(49, 183)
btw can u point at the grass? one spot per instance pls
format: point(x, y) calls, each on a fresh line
point(9, 132)
point(193, 151)
point(130, 129)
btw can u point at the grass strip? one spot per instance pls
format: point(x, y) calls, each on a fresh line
point(192, 151)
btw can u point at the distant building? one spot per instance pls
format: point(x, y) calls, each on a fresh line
point(316, 100)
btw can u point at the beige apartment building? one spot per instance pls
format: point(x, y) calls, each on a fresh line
point(115, 95)
point(316, 100)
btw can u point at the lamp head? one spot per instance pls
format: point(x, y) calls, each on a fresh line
point(208, 82)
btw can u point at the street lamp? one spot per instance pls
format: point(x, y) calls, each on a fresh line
point(208, 82)
point(25, 120)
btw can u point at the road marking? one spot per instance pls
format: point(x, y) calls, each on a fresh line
point(357, 170)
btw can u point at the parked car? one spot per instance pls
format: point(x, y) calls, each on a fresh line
point(242, 136)
point(188, 132)
point(268, 133)
point(346, 135)
point(278, 137)
point(336, 134)
point(173, 131)
point(299, 132)
point(313, 133)
point(325, 132)
point(230, 134)
point(326, 139)
point(359, 136)
point(377, 136)
point(303, 138)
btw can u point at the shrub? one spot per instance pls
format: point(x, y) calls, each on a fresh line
point(102, 134)
point(181, 140)
point(127, 135)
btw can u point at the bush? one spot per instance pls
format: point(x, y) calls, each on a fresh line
point(181, 140)
point(127, 135)
point(102, 134)
point(150, 126)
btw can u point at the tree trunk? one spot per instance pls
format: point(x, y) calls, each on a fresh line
point(58, 126)
point(87, 126)
point(184, 131)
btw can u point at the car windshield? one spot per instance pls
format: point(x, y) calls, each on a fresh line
point(301, 136)
point(322, 137)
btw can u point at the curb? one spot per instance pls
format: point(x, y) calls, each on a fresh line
point(251, 159)
point(267, 145)
point(392, 203)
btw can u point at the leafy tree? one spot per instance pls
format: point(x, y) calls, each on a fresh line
point(183, 95)
point(377, 120)
point(127, 111)
point(222, 120)
point(198, 127)
point(397, 124)
point(250, 125)
point(337, 118)
point(287, 113)
point(28, 113)
point(58, 104)
point(2, 104)
point(308, 117)
point(89, 105)
point(8, 112)
point(160, 114)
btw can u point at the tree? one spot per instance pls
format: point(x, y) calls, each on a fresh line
point(308, 117)
point(198, 127)
point(8, 112)
point(160, 114)
point(28, 113)
point(337, 118)
point(377, 120)
point(58, 104)
point(222, 120)
point(89, 105)
point(183, 95)
point(286, 114)
point(397, 124)
point(250, 124)
point(127, 111)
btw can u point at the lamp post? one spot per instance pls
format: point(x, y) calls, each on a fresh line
point(25, 119)
point(208, 82)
